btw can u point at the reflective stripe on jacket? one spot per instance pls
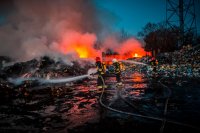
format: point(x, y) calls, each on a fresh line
point(100, 67)
point(117, 67)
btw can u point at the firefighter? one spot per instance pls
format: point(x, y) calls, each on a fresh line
point(117, 71)
point(101, 73)
point(154, 63)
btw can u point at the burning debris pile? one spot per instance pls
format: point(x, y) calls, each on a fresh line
point(44, 68)
point(66, 29)
point(74, 107)
point(37, 93)
point(35, 100)
point(30, 71)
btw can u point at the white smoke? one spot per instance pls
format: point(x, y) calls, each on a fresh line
point(36, 28)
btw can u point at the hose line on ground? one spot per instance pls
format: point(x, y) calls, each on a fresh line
point(138, 115)
point(166, 105)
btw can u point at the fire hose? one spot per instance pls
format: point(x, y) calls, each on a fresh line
point(164, 120)
point(166, 105)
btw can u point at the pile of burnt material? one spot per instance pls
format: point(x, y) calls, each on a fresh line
point(44, 68)
point(22, 105)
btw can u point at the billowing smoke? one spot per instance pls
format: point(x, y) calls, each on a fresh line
point(36, 28)
point(130, 47)
point(77, 43)
point(61, 28)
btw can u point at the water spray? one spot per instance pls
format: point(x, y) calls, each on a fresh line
point(134, 62)
point(71, 79)
point(19, 81)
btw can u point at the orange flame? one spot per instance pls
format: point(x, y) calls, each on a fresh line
point(82, 52)
point(132, 48)
point(83, 46)
point(80, 44)
point(136, 55)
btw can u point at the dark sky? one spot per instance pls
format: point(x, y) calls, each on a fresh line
point(131, 15)
point(134, 14)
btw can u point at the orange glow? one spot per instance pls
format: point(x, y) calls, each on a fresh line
point(131, 48)
point(82, 45)
point(78, 44)
point(136, 55)
point(82, 52)
point(108, 58)
point(137, 78)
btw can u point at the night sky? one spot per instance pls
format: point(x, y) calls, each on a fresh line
point(132, 15)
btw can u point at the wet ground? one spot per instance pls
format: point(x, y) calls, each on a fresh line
point(171, 105)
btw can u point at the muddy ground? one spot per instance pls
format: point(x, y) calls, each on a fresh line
point(75, 107)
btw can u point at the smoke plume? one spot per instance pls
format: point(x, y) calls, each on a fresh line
point(69, 28)
point(130, 47)
point(35, 28)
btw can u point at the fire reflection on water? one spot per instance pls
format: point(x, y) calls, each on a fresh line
point(138, 85)
point(84, 101)
point(83, 107)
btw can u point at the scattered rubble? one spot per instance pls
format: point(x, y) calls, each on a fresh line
point(74, 107)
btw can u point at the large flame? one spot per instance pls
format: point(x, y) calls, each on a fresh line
point(136, 55)
point(130, 48)
point(82, 52)
point(79, 44)
point(83, 46)
point(133, 48)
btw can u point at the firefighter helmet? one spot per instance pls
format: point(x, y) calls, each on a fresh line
point(114, 60)
point(98, 59)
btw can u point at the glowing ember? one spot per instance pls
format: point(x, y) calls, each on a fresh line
point(135, 55)
point(131, 48)
point(82, 44)
point(82, 52)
